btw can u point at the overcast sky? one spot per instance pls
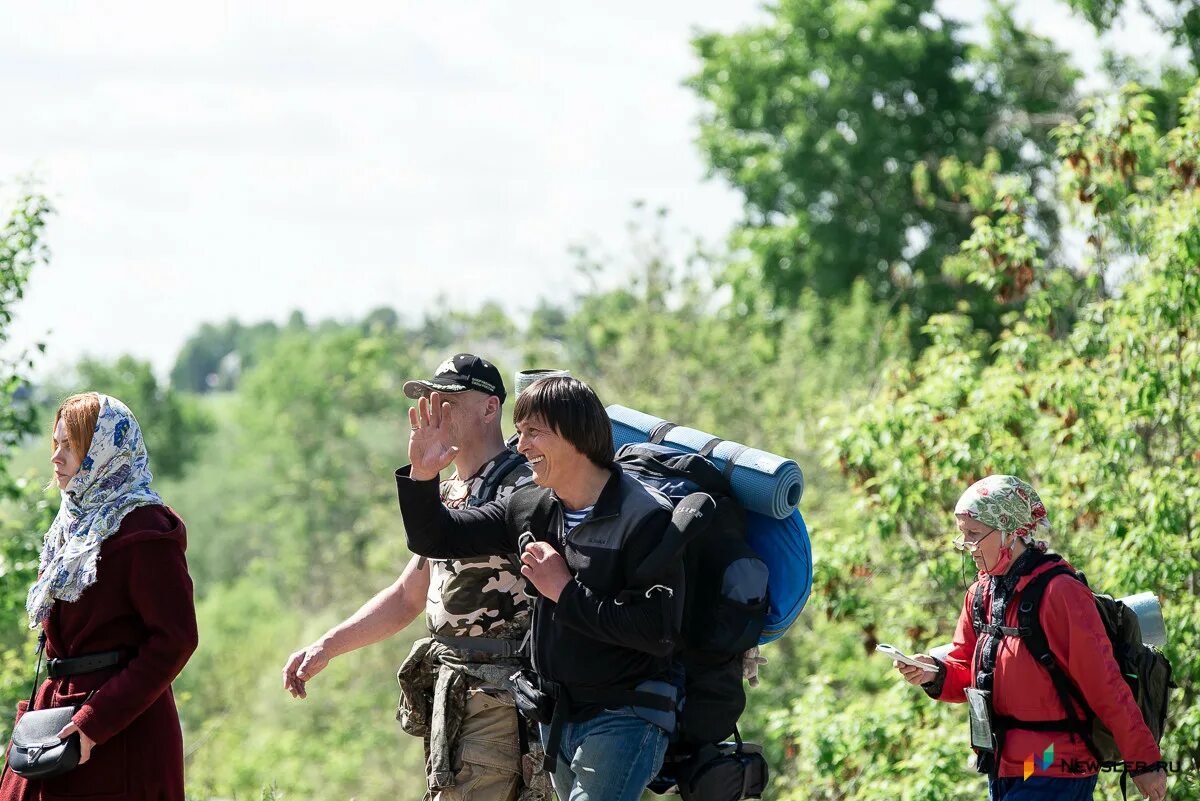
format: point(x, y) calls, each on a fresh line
point(216, 160)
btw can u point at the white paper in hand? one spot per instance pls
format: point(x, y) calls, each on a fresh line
point(901, 657)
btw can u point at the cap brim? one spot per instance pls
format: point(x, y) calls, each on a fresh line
point(421, 388)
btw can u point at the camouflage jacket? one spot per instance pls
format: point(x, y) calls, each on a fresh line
point(483, 597)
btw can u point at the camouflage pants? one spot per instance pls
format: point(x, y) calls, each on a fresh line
point(488, 758)
point(472, 748)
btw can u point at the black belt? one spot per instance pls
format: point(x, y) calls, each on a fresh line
point(488, 645)
point(73, 666)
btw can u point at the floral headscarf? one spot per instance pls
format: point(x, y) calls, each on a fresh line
point(113, 480)
point(1006, 503)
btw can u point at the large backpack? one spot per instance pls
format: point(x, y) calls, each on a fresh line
point(723, 615)
point(1145, 669)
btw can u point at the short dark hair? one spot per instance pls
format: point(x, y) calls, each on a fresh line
point(574, 411)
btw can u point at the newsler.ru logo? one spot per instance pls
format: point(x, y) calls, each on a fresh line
point(1044, 763)
point(1090, 766)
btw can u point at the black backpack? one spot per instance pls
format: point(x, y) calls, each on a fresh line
point(723, 614)
point(1145, 669)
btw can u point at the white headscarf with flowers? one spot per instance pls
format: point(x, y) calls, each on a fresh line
point(1006, 503)
point(113, 480)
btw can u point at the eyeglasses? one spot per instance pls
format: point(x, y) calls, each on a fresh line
point(965, 543)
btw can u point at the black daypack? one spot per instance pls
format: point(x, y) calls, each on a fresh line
point(1145, 669)
point(723, 614)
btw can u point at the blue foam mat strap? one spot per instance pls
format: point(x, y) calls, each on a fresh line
point(763, 482)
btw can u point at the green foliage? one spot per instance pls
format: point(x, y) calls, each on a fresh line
point(820, 117)
point(24, 511)
point(1099, 416)
point(244, 732)
point(214, 357)
point(321, 422)
point(24, 515)
point(21, 249)
point(173, 424)
point(671, 343)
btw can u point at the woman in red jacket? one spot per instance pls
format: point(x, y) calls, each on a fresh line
point(997, 518)
point(113, 586)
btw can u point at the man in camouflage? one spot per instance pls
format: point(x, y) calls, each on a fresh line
point(454, 682)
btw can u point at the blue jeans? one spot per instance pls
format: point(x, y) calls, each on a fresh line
point(1041, 788)
point(611, 757)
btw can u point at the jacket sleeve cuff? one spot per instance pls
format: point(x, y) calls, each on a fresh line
point(406, 474)
point(937, 686)
point(86, 720)
point(567, 605)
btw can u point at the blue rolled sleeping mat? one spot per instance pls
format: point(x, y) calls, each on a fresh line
point(769, 486)
point(785, 548)
point(763, 482)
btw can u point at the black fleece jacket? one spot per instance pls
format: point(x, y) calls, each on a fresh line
point(604, 633)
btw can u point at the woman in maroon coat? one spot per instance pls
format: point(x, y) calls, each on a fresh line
point(113, 584)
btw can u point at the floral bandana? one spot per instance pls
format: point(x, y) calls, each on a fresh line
point(113, 480)
point(1006, 503)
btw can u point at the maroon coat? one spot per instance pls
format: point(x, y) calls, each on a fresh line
point(141, 602)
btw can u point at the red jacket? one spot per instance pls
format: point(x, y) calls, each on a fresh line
point(1023, 689)
point(141, 602)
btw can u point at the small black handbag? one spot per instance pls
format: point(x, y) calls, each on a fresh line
point(36, 752)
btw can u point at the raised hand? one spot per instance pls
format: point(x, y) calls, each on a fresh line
point(429, 447)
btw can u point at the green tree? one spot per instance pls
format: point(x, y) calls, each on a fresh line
point(820, 116)
point(173, 424)
point(322, 419)
point(24, 510)
point(21, 250)
point(215, 356)
point(1096, 411)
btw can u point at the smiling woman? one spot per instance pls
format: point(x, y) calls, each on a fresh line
point(579, 418)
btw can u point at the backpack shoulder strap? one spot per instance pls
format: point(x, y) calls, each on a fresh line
point(977, 609)
point(1034, 637)
point(509, 462)
point(1028, 610)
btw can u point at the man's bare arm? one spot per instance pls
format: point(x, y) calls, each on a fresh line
point(390, 611)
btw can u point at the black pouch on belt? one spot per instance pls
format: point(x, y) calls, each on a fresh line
point(532, 703)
